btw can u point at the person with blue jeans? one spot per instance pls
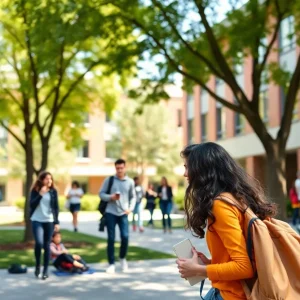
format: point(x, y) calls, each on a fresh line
point(138, 209)
point(165, 195)
point(120, 203)
point(44, 217)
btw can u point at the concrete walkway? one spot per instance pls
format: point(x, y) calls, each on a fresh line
point(156, 279)
point(153, 239)
point(147, 279)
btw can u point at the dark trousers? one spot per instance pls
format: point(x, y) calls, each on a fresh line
point(295, 216)
point(166, 207)
point(111, 222)
point(151, 210)
point(42, 233)
point(65, 258)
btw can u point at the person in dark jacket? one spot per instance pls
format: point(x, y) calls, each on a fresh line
point(44, 216)
point(150, 196)
point(165, 195)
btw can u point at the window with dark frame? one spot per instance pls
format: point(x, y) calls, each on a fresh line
point(190, 119)
point(83, 151)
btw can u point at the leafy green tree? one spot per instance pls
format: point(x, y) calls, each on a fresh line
point(55, 58)
point(144, 140)
point(187, 37)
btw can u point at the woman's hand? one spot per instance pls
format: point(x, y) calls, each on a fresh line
point(44, 190)
point(190, 267)
point(76, 257)
point(56, 227)
point(204, 258)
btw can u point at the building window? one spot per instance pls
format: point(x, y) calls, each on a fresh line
point(263, 106)
point(83, 151)
point(190, 128)
point(203, 127)
point(239, 124)
point(179, 118)
point(3, 143)
point(2, 192)
point(204, 103)
point(221, 122)
point(190, 118)
point(287, 34)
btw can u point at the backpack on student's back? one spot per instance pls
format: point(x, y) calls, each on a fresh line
point(274, 250)
point(102, 204)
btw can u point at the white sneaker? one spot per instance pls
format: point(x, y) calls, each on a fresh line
point(124, 265)
point(111, 269)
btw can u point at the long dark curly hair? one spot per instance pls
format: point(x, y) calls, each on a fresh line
point(38, 184)
point(212, 171)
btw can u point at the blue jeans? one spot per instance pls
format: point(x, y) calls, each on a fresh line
point(213, 293)
point(111, 222)
point(166, 207)
point(137, 211)
point(42, 233)
point(295, 216)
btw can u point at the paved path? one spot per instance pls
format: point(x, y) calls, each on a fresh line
point(145, 279)
point(153, 279)
point(151, 238)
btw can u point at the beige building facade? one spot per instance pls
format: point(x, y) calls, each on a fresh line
point(92, 162)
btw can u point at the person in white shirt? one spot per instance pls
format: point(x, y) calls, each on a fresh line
point(74, 198)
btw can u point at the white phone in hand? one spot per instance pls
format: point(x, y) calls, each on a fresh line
point(184, 250)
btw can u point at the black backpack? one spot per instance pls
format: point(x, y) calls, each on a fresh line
point(102, 205)
point(17, 269)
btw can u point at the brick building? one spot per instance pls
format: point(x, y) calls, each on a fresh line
point(206, 120)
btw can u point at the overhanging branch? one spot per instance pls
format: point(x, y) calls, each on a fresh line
point(186, 44)
point(181, 71)
point(13, 134)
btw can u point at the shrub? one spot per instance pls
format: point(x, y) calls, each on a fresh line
point(179, 198)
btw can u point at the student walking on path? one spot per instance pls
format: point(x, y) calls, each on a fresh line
point(138, 209)
point(121, 202)
point(74, 198)
point(44, 216)
point(165, 195)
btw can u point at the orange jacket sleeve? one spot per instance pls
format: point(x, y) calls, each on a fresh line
point(228, 228)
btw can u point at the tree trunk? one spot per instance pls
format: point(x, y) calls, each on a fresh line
point(276, 178)
point(45, 154)
point(29, 180)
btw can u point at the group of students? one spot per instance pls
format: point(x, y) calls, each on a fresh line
point(165, 195)
point(219, 196)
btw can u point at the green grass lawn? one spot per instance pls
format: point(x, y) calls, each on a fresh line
point(94, 252)
point(176, 224)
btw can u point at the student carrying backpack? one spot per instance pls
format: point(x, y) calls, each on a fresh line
point(274, 250)
point(102, 205)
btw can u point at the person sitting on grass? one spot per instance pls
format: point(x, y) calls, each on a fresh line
point(62, 259)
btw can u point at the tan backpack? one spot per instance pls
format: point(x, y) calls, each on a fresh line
point(274, 250)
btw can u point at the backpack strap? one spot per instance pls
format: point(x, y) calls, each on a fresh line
point(110, 183)
point(249, 242)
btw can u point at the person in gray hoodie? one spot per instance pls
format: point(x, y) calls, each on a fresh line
point(121, 202)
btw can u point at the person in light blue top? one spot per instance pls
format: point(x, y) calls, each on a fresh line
point(120, 203)
point(44, 216)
